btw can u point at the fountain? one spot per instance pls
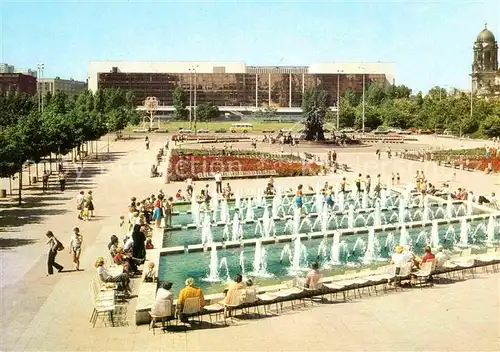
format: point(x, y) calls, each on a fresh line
point(490, 230)
point(364, 200)
point(258, 198)
point(242, 263)
point(370, 254)
point(223, 264)
point(296, 222)
point(213, 274)
point(354, 191)
point(260, 260)
point(341, 201)
point(237, 200)
point(249, 215)
point(224, 212)
point(449, 207)
point(322, 251)
point(318, 202)
point(266, 227)
point(464, 233)
point(215, 205)
point(406, 196)
point(195, 211)
point(350, 217)
point(276, 207)
point(225, 233)
point(434, 234)
point(470, 209)
point(383, 198)
point(377, 217)
point(324, 220)
point(286, 251)
point(403, 239)
point(389, 242)
point(359, 248)
point(237, 228)
point(299, 259)
point(335, 250)
point(389, 183)
point(206, 232)
point(425, 214)
point(402, 211)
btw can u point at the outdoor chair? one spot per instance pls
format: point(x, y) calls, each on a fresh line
point(192, 307)
point(164, 312)
point(101, 307)
point(386, 275)
point(314, 290)
point(404, 273)
point(288, 294)
point(424, 273)
point(267, 299)
point(490, 258)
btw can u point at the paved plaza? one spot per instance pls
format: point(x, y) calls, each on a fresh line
point(51, 313)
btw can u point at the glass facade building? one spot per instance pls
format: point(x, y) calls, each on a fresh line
point(259, 86)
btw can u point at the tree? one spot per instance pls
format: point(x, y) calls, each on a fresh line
point(375, 95)
point(179, 102)
point(351, 98)
point(491, 126)
point(347, 114)
point(314, 106)
point(207, 112)
point(373, 117)
point(268, 113)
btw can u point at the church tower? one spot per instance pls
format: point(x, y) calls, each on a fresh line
point(485, 75)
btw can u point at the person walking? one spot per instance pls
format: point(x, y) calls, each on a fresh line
point(75, 247)
point(358, 183)
point(54, 247)
point(80, 202)
point(62, 180)
point(89, 203)
point(45, 180)
point(147, 142)
point(218, 182)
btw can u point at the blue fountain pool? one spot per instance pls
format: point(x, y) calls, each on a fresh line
point(177, 267)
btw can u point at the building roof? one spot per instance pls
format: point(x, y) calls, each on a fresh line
point(486, 35)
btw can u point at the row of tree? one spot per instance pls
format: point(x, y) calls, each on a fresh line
point(395, 106)
point(29, 134)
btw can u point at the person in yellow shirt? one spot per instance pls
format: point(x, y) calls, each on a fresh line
point(187, 292)
point(358, 183)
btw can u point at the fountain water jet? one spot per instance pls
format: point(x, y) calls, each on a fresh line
point(464, 233)
point(370, 254)
point(490, 230)
point(335, 250)
point(434, 234)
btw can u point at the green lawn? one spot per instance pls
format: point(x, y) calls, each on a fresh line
point(212, 126)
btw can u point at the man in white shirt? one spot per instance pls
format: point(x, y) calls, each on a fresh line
point(80, 199)
point(218, 182)
point(398, 259)
point(441, 257)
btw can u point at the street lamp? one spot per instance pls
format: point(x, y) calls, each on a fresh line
point(190, 97)
point(40, 91)
point(195, 84)
point(363, 106)
point(107, 129)
point(338, 98)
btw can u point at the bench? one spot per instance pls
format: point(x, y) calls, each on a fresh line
point(309, 156)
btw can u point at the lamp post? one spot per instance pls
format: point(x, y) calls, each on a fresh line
point(338, 98)
point(363, 104)
point(107, 128)
point(194, 98)
point(190, 97)
point(40, 91)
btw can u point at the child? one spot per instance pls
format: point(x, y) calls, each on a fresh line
point(75, 247)
point(150, 275)
point(85, 213)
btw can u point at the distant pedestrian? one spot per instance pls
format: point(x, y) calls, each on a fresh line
point(377, 153)
point(218, 182)
point(147, 142)
point(75, 247)
point(45, 180)
point(89, 203)
point(54, 247)
point(80, 202)
point(62, 180)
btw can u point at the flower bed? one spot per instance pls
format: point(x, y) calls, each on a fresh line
point(188, 164)
point(479, 163)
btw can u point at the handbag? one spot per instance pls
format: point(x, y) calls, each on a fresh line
point(59, 246)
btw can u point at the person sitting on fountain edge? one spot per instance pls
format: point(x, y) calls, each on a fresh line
point(189, 291)
point(233, 287)
point(313, 276)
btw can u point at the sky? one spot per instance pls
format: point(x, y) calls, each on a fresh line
point(429, 41)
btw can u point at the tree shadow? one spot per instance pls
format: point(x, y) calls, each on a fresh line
point(9, 243)
point(22, 216)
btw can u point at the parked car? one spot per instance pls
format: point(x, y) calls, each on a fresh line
point(185, 130)
point(220, 130)
point(203, 131)
point(404, 132)
point(381, 130)
point(347, 130)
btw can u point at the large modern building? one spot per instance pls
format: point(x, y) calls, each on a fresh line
point(17, 83)
point(485, 73)
point(68, 86)
point(234, 86)
point(6, 68)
